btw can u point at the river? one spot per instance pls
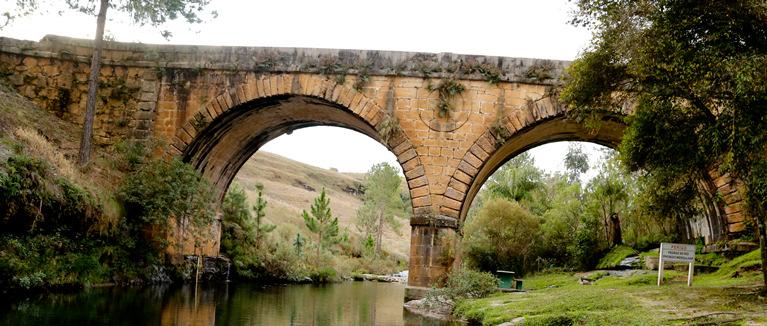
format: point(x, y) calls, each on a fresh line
point(348, 303)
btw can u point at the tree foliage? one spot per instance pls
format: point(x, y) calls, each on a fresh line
point(516, 180)
point(160, 192)
point(694, 73)
point(244, 241)
point(610, 192)
point(322, 222)
point(381, 204)
point(576, 162)
point(501, 236)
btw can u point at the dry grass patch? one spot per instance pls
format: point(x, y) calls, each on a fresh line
point(36, 145)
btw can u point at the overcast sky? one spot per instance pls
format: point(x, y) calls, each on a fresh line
point(512, 28)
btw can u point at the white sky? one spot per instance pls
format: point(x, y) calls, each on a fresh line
point(513, 28)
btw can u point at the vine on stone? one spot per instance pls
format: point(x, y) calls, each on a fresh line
point(447, 89)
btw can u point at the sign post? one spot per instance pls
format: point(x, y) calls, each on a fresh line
point(676, 252)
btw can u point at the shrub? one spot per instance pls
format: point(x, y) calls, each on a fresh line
point(586, 249)
point(465, 283)
point(501, 236)
point(159, 191)
point(36, 200)
point(324, 275)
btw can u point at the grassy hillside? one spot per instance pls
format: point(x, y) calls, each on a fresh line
point(291, 187)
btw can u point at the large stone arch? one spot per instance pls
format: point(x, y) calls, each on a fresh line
point(230, 128)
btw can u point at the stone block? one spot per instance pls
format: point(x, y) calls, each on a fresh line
point(418, 182)
point(454, 194)
point(414, 173)
point(419, 192)
point(467, 168)
point(422, 201)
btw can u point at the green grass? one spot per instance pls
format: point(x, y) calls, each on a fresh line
point(739, 271)
point(564, 305)
point(559, 299)
point(615, 256)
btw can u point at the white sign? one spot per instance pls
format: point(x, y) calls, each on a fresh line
point(677, 252)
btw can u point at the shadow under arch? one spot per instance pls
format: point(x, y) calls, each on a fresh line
point(555, 129)
point(229, 129)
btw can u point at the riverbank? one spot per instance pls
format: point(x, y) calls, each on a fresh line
point(732, 295)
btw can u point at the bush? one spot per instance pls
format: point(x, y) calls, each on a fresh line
point(275, 260)
point(56, 260)
point(501, 236)
point(34, 199)
point(586, 249)
point(465, 283)
point(159, 191)
point(324, 275)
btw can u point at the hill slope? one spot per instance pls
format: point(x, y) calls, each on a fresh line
point(290, 187)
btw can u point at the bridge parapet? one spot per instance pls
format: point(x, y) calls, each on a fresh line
point(297, 60)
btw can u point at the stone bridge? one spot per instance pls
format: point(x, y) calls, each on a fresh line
point(451, 120)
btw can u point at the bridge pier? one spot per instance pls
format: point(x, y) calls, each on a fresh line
point(433, 242)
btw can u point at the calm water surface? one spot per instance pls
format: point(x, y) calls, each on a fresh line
point(349, 303)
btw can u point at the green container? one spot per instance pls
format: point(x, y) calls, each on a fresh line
point(518, 285)
point(507, 279)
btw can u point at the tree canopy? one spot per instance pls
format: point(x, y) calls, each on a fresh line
point(381, 203)
point(694, 73)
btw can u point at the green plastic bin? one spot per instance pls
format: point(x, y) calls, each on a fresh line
point(506, 278)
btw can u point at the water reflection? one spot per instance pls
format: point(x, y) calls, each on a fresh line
point(350, 303)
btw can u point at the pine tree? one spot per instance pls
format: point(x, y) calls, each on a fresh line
point(322, 222)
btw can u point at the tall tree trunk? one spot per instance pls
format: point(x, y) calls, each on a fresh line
point(93, 81)
point(763, 246)
point(379, 232)
point(615, 223)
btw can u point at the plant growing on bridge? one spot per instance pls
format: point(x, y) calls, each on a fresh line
point(389, 127)
point(491, 73)
point(694, 73)
point(447, 89)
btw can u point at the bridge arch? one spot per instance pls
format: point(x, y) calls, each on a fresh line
point(546, 121)
point(553, 129)
point(225, 132)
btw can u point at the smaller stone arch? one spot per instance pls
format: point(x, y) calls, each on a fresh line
point(537, 123)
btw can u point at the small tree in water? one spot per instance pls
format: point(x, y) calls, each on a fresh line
point(322, 222)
